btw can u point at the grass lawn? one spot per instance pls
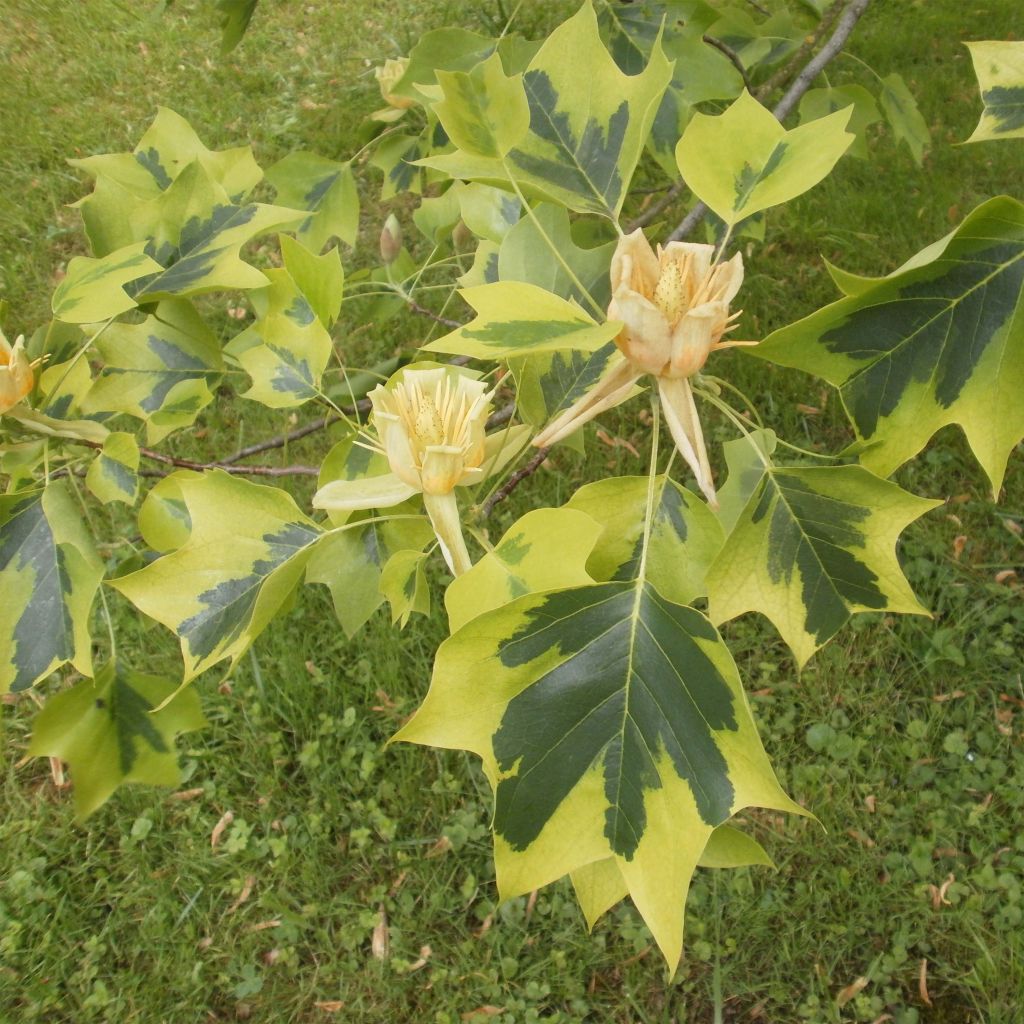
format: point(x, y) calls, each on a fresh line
point(904, 736)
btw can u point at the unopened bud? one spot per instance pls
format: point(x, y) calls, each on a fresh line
point(391, 239)
point(461, 236)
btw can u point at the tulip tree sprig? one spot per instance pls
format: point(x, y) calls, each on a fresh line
point(583, 664)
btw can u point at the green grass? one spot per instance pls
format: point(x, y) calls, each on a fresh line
point(904, 736)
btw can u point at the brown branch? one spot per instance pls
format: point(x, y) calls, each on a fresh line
point(171, 460)
point(734, 59)
point(851, 15)
point(759, 7)
point(651, 213)
point(423, 311)
point(827, 53)
point(786, 72)
point(514, 481)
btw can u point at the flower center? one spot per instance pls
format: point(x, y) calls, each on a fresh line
point(670, 292)
point(428, 427)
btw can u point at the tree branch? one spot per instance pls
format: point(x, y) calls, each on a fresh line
point(514, 481)
point(783, 74)
point(734, 59)
point(851, 15)
point(651, 213)
point(423, 311)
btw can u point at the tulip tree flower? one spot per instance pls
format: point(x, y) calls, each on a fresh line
point(430, 424)
point(16, 373)
point(388, 75)
point(674, 306)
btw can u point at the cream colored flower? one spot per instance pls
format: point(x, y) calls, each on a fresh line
point(430, 423)
point(674, 306)
point(16, 373)
point(388, 75)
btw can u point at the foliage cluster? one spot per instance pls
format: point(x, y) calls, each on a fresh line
point(183, 255)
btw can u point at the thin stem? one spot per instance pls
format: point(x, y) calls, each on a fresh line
point(72, 364)
point(514, 481)
point(734, 59)
point(723, 383)
point(651, 477)
point(732, 415)
point(716, 975)
point(551, 245)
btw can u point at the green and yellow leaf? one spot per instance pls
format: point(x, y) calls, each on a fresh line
point(121, 208)
point(287, 349)
point(544, 550)
point(484, 111)
point(939, 341)
point(403, 582)
point(161, 371)
point(93, 289)
point(326, 190)
point(999, 67)
point(754, 162)
point(49, 575)
point(116, 729)
point(811, 548)
point(600, 885)
point(245, 554)
point(114, 474)
point(612, 724)
point(516, 319)
point(588, 123)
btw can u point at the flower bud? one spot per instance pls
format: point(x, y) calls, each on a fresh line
point(390, 239)
point(16, 373)
point(388, 75)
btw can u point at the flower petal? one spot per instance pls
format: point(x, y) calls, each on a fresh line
point(634, 265)
point(368, 492)
point(442, 469)
point(684, 425)
point(502, 447)
point(647, 337)
point(607, 393)
point(444, 517)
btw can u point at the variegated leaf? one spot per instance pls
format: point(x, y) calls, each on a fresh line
point(122, 208)
point(116, 729)
point(600, 885)
point(938, 341)
point(757, 163)
point(286, 350)
point(114, 474)
point(612, 724)
point(515, 319)
point(999, 67)
point(161, 371)
point(683, 541)
point(588, 123)
point(811, 548)
point(325, 189)
point(222, 587)
point(544, 550)
point(49, 575)
point(93, 289)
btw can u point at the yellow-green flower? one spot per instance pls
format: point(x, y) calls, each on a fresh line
point(674, 307)
point(430, 423)
point(388, 75)
point(16, 373)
